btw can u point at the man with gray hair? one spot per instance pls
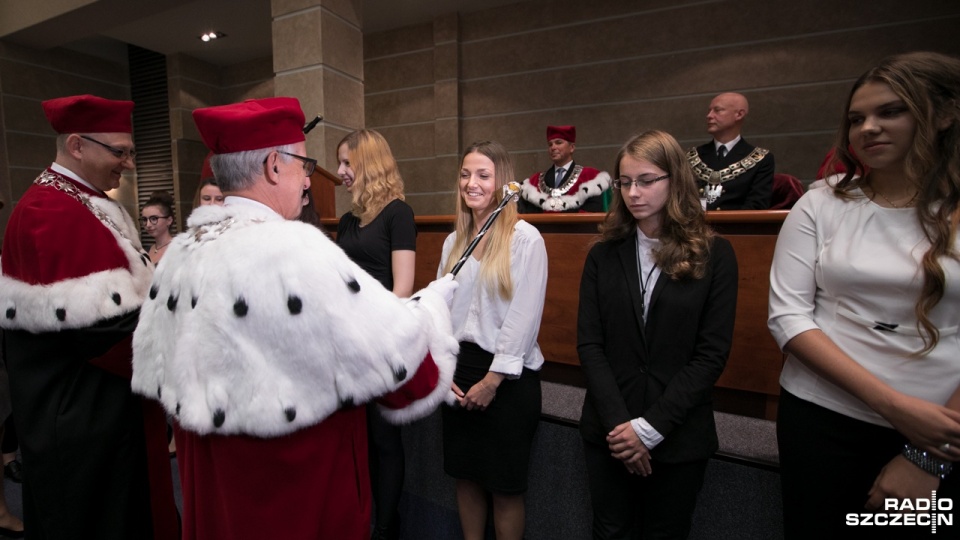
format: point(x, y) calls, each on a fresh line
point(264, 340)
point(732, 173)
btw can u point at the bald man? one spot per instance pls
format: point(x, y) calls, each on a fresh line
point(732, 174)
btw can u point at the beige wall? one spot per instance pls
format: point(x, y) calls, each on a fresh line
point(27, 142)
point(611, 67)
point(615, 67)
point(191, 84)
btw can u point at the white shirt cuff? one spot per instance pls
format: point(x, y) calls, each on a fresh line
point(649, 436)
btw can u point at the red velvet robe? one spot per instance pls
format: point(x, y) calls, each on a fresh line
point(278, 336)
point(311, 484)
point(95, 456)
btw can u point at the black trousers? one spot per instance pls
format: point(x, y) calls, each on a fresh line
point(828, 463)
point(629, 506)
point(386, 469)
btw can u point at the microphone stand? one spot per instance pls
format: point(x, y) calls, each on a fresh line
point(510, 192)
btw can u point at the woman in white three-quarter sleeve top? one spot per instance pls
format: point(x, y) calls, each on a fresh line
point(496, 314)
point(865, 301)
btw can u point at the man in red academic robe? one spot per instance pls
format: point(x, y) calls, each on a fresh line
point(565, 186)
point(264, 340)
point(73, 278)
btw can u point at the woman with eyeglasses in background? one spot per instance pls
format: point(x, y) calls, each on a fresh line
point(156, 218)
point(658, 299)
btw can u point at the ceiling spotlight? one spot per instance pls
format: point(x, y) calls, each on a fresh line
point(210, 36)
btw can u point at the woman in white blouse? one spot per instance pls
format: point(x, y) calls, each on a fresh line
point(865, 301)
point(496, 314)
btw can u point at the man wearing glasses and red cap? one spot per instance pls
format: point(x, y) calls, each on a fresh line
point(566, 186)
point(264, 340)
point(73, 279)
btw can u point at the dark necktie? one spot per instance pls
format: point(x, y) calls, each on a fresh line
point(721, 151)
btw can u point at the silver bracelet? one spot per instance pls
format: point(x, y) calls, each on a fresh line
point(925, 461)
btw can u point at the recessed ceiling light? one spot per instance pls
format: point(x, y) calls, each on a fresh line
point(210, 36)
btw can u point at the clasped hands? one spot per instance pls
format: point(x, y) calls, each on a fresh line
point(625, 445)
point(480, 395)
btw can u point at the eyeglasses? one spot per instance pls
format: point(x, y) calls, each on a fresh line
point(625, 183)
point(309, 164)
point(117, 152)
point(152, 219)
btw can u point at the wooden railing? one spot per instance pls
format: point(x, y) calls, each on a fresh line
point(749, 382)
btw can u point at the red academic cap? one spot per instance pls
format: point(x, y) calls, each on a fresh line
point(207, 170)
point(567, 133)
point(251, 125)
point(88, 114)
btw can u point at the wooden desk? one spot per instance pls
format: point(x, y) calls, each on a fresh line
point(749, 384)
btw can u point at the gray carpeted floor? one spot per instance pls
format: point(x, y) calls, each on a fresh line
point(740, 498)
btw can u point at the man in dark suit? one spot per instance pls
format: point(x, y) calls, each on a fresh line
point(732, 173)
point(566, 186)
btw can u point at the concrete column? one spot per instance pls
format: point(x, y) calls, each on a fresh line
point(446, 86)
point(318, 58)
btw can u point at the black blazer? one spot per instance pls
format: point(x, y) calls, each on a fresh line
point(663, 370)
point(752, 190)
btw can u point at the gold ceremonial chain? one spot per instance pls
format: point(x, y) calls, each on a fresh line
point(554, 194)
point(563, 189)
point(207, 232)
point(710, 176)
point(48, 179)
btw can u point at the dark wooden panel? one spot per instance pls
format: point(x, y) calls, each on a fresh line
point(750, 381)
point(755, 360)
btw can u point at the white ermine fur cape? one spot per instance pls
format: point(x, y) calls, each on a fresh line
point(261, 326)
point(80, 302)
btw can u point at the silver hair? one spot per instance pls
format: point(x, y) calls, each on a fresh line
point(239, 171)
point(62, 143)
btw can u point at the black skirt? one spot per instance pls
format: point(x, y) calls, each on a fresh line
point(491, 447)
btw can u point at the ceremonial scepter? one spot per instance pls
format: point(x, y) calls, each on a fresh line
point(312, 124)
point(510, 192)
point(318, 170)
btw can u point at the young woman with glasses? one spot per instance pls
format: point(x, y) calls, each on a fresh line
point(658, 299)
point(156, 218)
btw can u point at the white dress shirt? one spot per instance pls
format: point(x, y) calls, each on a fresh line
point(507, 328)
point(729, 145)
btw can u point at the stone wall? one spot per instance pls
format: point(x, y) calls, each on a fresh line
point(616, 67)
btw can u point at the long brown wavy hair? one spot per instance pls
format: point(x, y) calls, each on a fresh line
point(377, 179)
point(685, 237)
point(929, 85)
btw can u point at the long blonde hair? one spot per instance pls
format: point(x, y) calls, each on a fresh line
point(495, 265)
point(377, 179)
